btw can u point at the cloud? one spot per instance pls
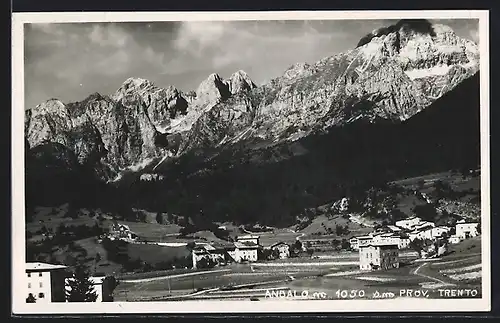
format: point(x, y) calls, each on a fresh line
point(100, 56)
point(95, 55)
point(254, 44)
point(109, 36)
point(197, 36)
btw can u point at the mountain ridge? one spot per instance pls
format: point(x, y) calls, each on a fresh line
point(389, 79)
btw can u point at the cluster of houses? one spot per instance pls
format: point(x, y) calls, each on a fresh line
point(380, 248)
point(48, 283)
point(246, 248)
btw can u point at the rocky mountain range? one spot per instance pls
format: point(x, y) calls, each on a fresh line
point(392, 76)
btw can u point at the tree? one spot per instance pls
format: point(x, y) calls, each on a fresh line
point(345, 245)
point(96, 260)
point(170, 218)
point(159, 218)
point(110, 283)
point(205, 262)
point(191, 245)
point(81, 287)
point(296, 247)
point(30, 298)
point(417, 245)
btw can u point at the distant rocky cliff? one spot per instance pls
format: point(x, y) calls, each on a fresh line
point(392, 75)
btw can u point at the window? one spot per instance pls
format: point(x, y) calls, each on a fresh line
point(41, 295)
point(29, 285)
point(41, 284)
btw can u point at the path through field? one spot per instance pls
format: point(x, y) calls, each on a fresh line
point(420, 268)
point(145, 280)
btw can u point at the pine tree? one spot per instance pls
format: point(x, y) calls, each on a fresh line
point(159, 218)
point(81, 288)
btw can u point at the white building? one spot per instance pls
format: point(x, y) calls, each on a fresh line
point(392, 238)
point(438, 232)
point(45, 282)
point(429, 233)
point(408, 223)
point(121, 231)
point(404, 242)
point(360, 241)
point(249, 238)
point(380, 237)
point(454, 239)
point(282, 249)
point(354, 242)
point(378, 256)
point(466, 230)
point(386, 238)
point(247, 251)
point(394, 228)
point(217, 255)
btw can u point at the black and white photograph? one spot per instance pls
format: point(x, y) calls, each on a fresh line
point(273, 161)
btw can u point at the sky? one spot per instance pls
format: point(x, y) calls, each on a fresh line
point(70, 61)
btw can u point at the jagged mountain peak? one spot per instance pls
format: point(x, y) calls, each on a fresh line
point(404, 26)
point(137, 82)
point(393, 74)
point(421, 48)
point(212, 89)
point(50, 104)
point(139, 85)
point(240, 82)
point(95, 96)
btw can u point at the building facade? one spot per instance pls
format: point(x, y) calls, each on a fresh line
point(219, 256)
point(45, 282)
point(429, 233)
point(454, 239)
point(246, 251)
point(381, 237)
point(354, 243)
point(282, 249)
point(465, 230)
point(378, 256)
point(249, 238)
point(408, 223)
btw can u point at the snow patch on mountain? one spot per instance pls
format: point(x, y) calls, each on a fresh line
point(428, 72)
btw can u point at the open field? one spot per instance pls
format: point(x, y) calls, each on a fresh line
point(52, 217)
point(329, 275)
point(321, 222)
point(93, 248)
point(153, 231)
point(154, 254)
point(269, 238)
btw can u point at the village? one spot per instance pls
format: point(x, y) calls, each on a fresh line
point(435, 240)
point(377, 251)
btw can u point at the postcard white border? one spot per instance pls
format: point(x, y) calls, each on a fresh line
point(397, 305)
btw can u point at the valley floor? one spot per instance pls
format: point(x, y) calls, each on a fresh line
point(317, 278)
